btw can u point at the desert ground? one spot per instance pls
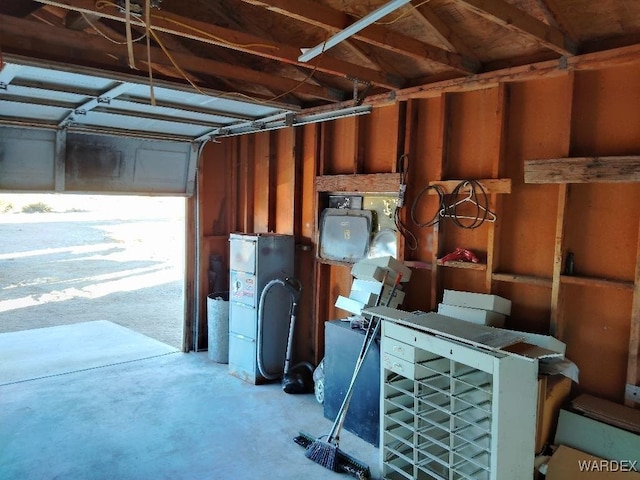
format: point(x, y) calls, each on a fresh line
point(88, 258)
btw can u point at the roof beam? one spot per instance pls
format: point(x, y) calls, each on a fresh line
point(18, 8)
point(547, 69)
point(514, 19)
point(18, 33)
point(446, 36)
point(334, 20)
point(555, 17)
point(238, 41)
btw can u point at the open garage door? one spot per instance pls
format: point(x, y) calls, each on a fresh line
point(53, 161)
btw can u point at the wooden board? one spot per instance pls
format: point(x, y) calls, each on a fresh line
point(583, 170)
point(372, 183)
point(608, 412)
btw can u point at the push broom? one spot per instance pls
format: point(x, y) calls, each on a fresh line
point(327, 452)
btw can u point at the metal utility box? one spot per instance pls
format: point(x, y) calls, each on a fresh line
point(255, 260)
point(342, 346)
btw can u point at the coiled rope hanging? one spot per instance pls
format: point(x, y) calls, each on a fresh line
point(477, 196)
point(481, 206)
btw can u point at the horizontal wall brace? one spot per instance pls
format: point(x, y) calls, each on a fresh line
point(583, 170)
point(491, 185)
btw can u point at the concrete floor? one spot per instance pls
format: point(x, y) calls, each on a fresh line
point(118, 405)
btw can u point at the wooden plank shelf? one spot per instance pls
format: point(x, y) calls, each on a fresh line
point(597, 282)
point(464, 265)
point(335, 263)
point(364, 182)
point(490, 185)
point(546, 282)
point(583, 170)
point(418, 265)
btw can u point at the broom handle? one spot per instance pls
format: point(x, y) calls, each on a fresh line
point(334, 433)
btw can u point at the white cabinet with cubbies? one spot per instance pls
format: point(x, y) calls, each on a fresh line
point(452, 410)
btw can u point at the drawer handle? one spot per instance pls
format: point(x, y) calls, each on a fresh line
point(398, 366)
point(398, 349)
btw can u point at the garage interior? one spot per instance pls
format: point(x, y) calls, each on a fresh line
point(262, 113)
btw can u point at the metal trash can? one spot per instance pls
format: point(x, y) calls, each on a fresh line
point(218, 326)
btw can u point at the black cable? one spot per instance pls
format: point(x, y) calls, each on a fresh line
point(482, 208)
point(402, 167)
point(436, 218)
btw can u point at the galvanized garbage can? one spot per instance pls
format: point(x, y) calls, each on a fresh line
point(218, 326)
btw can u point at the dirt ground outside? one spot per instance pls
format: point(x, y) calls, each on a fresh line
point(92, 258)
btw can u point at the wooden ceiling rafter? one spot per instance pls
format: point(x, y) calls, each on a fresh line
point(18, 32)
point(556, 17)
point(514, 19)
point(80, 21)
point(239, 41)
point(428, 17)
point(334, 20)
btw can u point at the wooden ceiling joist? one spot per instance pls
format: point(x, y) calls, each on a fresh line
point(238, 41)
point(557, 18)
point(327, 18)
point(546, 69)
point(17, 33)
point(514, 19)
point(18, 8)
point(426, 15)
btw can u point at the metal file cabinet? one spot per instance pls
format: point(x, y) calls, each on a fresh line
point(256, 259)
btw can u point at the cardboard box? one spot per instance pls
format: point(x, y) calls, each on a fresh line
point(553, 392)
point(475, 315)
point(568, 464)
point(398, 297)
point(371, 286)
point(392, 264)
point(608, 412)
point(596, 438)
point(370, 272)
point(350, 305)
point(477, 300)
point(363, 297)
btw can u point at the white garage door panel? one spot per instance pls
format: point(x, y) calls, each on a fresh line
point(101, 163)
point(156, 169)
point(91, 163)
point(26, 161)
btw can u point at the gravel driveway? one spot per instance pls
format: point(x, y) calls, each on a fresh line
point(124, 265)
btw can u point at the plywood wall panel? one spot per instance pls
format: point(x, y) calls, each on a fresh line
point(538, 122)
point(309, 148)
point(379, 139)
point(462, 279)
point(425, 164)
point(261, 170)
point(471, 151)
point(285, 172)
point(417, 291)
point(597, 337)
point(215, 199)
point(341, 281)
point(530, 306)
point(246, 181)
point(340, 146)
point(602, 231)
point(607, 112)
